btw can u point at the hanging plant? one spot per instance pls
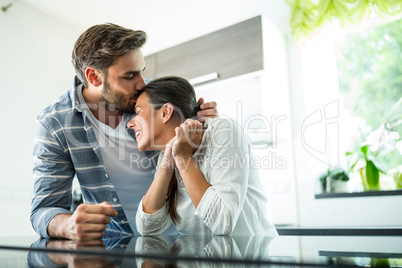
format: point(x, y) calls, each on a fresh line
point(307, 16)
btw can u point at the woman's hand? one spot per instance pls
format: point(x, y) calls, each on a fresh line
point(168, 160)
point(188, 138)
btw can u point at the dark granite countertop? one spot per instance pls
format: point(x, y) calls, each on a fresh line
point(340, 231)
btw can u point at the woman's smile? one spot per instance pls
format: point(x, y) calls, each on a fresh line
point(137, 134)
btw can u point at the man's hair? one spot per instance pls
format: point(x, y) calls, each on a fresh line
point(101, 45)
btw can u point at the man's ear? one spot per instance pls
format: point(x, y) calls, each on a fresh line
point(93, 76)
point(167, 112)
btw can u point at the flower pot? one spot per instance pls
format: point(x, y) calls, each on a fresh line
point(370, 182)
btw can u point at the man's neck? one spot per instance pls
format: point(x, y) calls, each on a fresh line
point(100, 110)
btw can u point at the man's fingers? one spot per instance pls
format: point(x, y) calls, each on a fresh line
point(208, 105)
point(208, 113)
point(201, 101)
point(102, 209)
point(91, 228)
point(90, 236)
point(105, 204)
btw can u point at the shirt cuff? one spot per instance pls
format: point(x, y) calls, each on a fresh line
point(152, 217)
point(43, 219)
point(205, 203)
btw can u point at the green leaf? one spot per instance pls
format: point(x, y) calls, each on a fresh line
point(377, 164)
point(372, 175)
point(398, 179)
point(364, 150)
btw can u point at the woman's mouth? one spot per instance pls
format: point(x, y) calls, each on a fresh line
point(137, 133)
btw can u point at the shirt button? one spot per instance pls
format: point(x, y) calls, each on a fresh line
point(107, 176)
point(115, 199)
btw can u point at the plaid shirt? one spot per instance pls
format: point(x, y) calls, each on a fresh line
point(66, 146)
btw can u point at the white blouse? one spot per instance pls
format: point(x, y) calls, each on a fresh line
point(234, 203)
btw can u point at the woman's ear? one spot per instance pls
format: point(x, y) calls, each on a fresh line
point(167, 112)
point(93, 76)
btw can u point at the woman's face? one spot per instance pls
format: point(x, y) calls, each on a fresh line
point(147, 125)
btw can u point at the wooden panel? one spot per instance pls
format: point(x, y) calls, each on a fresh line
point(232, 51)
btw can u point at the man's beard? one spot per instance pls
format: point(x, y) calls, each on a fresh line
point(117, 100)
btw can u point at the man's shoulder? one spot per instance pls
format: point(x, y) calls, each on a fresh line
point(63, 105)
point(57, 113)
point(60, 105)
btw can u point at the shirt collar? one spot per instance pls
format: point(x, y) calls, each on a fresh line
point(75, 86)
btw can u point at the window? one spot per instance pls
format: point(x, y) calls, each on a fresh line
point(359, 71)
point(370, 88)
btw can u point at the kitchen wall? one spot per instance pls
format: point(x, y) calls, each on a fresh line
point(34, 70)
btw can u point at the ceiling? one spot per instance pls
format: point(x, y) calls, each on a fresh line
point(167, 23)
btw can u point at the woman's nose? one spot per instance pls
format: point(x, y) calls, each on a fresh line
point(131, 123)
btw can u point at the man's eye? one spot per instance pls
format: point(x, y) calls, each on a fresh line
point(129, 77)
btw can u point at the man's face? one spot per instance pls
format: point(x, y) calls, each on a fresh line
point(123, 81)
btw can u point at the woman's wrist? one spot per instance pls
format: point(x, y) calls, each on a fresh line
point(184, 162)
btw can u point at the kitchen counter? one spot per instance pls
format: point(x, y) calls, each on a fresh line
point(204, 251)
point(339, 231)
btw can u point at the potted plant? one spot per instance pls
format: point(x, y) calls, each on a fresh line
point(334, 180)
point(397, 175)
point(380, 145)
point(368, 168)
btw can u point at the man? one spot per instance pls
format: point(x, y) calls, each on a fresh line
point(84, 135)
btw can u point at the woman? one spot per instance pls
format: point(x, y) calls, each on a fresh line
point(204, 181)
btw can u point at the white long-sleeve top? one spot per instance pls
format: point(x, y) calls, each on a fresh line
point(234, 203)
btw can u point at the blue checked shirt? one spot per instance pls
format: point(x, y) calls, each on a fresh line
point(66, 146)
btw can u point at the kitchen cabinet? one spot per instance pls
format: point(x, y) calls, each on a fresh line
point(228, 52)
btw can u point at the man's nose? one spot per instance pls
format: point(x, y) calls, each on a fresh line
point(140, 83)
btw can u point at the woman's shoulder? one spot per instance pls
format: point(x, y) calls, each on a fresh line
point(224, 131)
point(213, 124)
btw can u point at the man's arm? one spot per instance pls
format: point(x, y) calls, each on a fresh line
point(87, 222)
point(53, 174)
point(50, 208)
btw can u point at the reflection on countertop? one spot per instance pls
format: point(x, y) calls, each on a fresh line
point(204, 251)
point(152, 250)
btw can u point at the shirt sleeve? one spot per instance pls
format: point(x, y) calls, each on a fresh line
point(152, 224)
point(228, 176)
point(53, 173)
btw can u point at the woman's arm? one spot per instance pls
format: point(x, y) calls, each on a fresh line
point(152, 217)
point(188, 138)
point(155, 197)
point(193, 179)
point(228, 164)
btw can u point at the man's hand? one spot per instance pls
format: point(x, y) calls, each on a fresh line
point(208, 110)
point(87, 222)
point(80, 260)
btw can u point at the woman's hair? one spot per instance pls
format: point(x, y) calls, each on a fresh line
point(180, 93)
point(101, 45)
point(176, 91)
